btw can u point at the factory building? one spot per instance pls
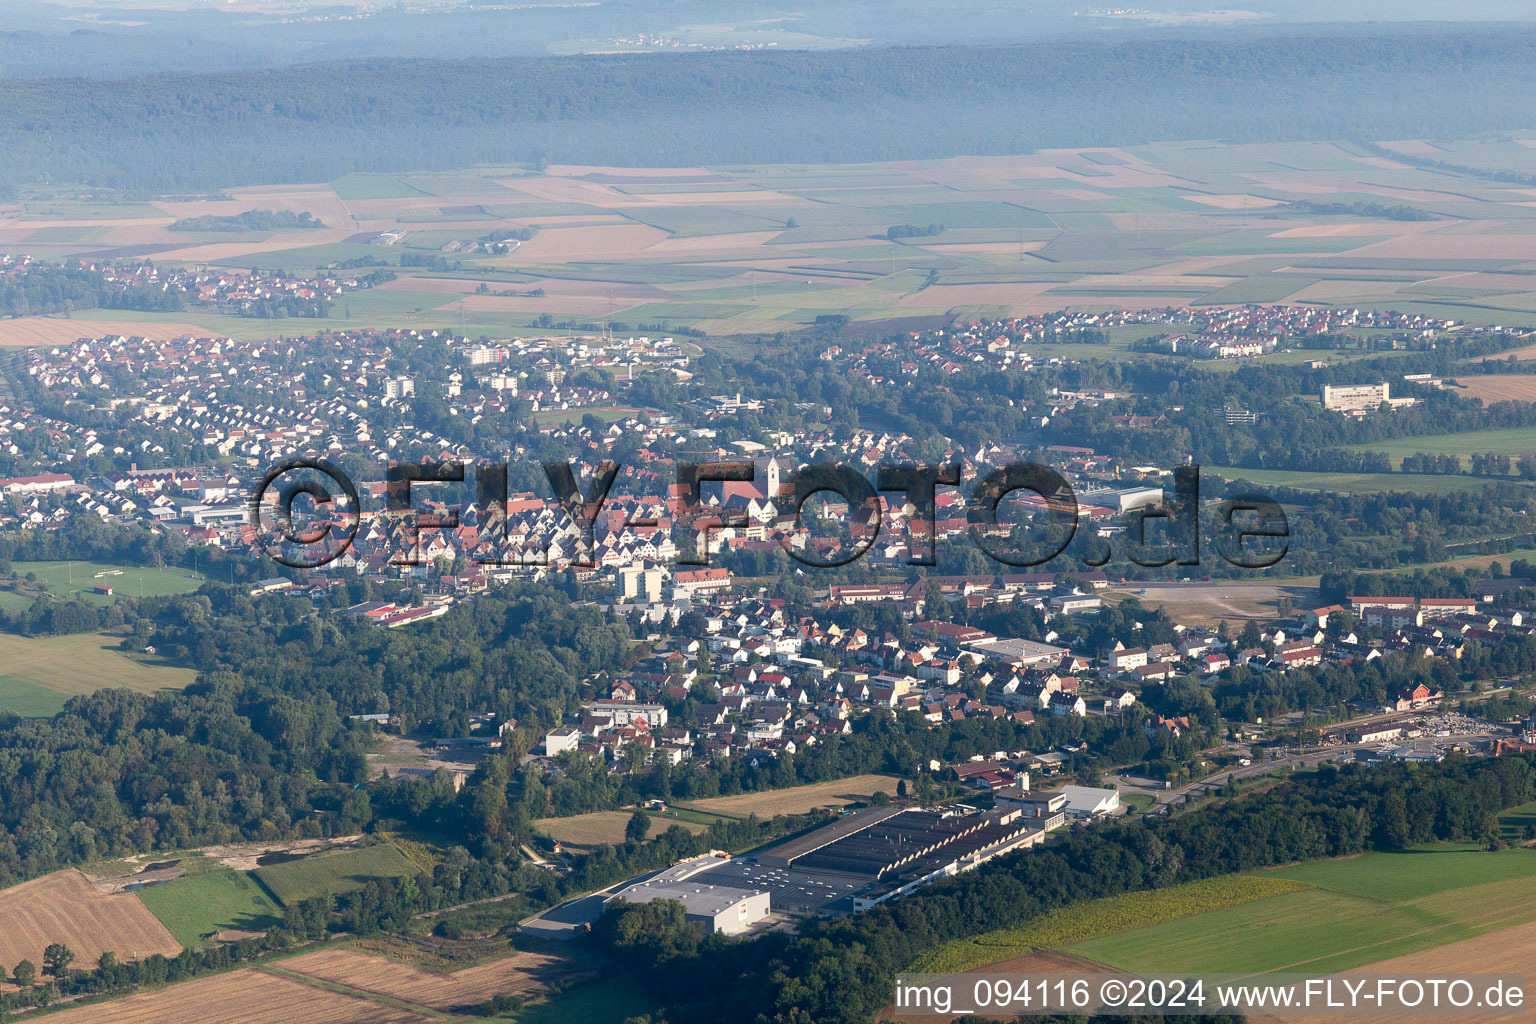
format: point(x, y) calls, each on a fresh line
point(716, 908)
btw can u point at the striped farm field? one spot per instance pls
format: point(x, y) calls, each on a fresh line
point(1353, 911)
point(1084, 921)
point(523, 974)
point(42, 330)
point(1499, 387)
point(65, 907)
point(247, 996)
point(1350, 483)
point(1507, 951)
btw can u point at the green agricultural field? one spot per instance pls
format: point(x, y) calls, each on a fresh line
point(1514, 822)
point(293, 881)
point(373, 186)
point(1108, 916)
point(29, 700)
point(1513, 441)
point(1351, 483)
point(37, 674)
point(1071, 219)
point(196, 906)
point(612, 1001)
point(1415, 873)
point(1361, 910)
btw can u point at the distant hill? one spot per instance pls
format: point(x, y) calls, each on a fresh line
point(319, 122)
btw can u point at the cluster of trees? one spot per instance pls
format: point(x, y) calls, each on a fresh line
point(841, 971)
point(499, 241)
point(41, 288)
point(898, 231)
point(1482, 464)
point(1395, 212)
point(1420, 462)
point(251, 220)
point(1450, 167)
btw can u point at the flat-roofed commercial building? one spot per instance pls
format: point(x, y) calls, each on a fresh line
point(727, 909)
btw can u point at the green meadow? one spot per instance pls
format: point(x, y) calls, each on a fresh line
point(197, 905)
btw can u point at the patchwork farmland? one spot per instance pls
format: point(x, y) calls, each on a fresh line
point(732, 250)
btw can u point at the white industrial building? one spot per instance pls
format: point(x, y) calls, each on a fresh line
point(726, 909)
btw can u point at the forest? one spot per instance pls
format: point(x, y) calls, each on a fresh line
point(319, 122)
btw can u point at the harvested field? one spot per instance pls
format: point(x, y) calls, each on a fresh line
point(1511, 387)
point(589, 830)
point(242, 997)
point(1330, 231)
point(522, 974)
point(798, 799)
point(42, 330)
point(1510, 951)
point(65, 907)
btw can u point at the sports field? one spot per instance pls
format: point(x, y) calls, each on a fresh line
point(71, 579)
point(307, 877)
point(1357, 911)
point(196, 906)
point(38, 674)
